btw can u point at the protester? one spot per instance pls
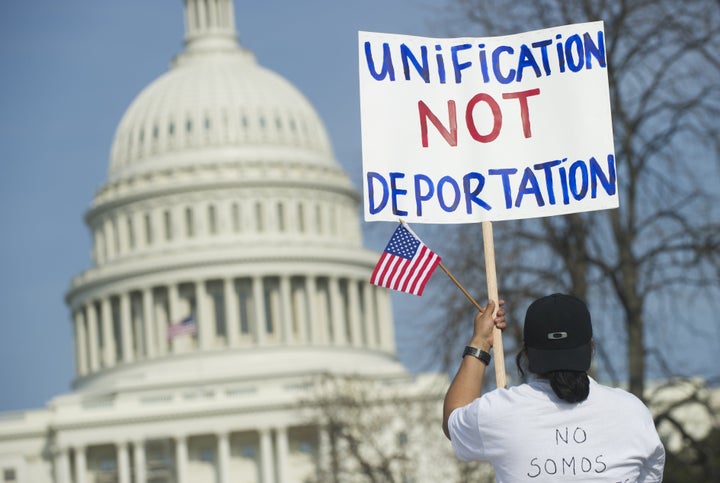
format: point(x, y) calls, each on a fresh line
point(563, 425)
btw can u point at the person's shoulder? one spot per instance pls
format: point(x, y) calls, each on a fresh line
point(533, 390)
point(615, 395)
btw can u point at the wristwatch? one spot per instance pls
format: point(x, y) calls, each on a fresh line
point(479, 353)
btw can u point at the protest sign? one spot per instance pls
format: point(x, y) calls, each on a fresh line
point(467, 130)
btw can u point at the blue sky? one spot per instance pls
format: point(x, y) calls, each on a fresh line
point(69, 71)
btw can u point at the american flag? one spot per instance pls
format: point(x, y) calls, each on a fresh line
point(185, 326)
point(406, 263)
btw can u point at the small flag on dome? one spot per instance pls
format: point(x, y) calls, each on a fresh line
point(185, 326)
point(406, 263)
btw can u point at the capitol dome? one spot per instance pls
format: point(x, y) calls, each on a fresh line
point(217, 97)
point(225, 208)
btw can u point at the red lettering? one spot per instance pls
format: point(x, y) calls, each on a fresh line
point(497, 118)
point(522, 96)
point(449, 135)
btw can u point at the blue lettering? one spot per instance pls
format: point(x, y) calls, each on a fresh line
point(422, 69)
point(529, 185)
point(396, 192)
point(574, 64)
point(543, 52)
point(505, 176)
point(371, 177)
point(419, 196)
point(496, 65)
point(387, 65)
point(526, 60)
point(596, 172)
point(578, 192)
point(457, 66)
point(447, 180)
point(440, 63)
point(546, 167)
point(594, 50)
point(471, 194)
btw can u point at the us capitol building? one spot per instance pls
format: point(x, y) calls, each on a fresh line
point(223, 207)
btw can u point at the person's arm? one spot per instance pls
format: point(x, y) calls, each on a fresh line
point(467, 384)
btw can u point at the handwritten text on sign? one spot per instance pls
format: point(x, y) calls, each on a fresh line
point(480, 129)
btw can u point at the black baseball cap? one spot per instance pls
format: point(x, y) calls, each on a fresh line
point(558, 334)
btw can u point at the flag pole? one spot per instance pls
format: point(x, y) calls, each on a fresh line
point(462, 289)
point(491, 275)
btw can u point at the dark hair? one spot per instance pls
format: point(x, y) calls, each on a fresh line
point(570, 386)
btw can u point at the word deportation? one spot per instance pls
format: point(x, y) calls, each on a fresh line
point(537, 183)
point(502, 63)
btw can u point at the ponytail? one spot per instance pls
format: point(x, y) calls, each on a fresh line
point(570, 386)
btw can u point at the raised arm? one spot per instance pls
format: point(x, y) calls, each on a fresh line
point(467, 384)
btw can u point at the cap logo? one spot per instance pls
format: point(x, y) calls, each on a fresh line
point(557, 335)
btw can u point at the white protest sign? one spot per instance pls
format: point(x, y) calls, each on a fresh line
point(466, 130)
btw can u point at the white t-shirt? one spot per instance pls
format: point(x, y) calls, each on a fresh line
point(529, 434)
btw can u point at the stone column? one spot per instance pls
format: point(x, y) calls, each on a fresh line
point(387, 332)
point(337, 314)
point(126, 328)
point(140, 461)
point(81, 361)
point(123, 463)
point(174, 311)
point(161, 318)
point(371, 315)
point(139, 224)
point(259, 305)
point(181, 458)
point(147, 318)
point(110, 240)
point(108, 334)
point(267, 475)
point(80, 465)
point(286, 314)
point(355, 312)
point(123, 237)
point(223, 451)
point(232, 312)
point(62, 466)
point(318, 332)
point(299, 298)
point(92, 336)
point(282, 450)
point(205, 317)
point(324, 452)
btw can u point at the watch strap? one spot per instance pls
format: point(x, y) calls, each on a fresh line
point(477, 353)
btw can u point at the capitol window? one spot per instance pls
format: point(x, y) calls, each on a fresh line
point(189, 223)
point(9, 475)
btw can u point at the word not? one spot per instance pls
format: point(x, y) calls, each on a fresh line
point(538, 184)
point(574, 54)
point(450, 135)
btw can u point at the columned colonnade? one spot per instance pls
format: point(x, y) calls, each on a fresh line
point(259, 456)
point(231, 313)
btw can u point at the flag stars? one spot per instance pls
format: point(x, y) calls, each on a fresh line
point(403, 244)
